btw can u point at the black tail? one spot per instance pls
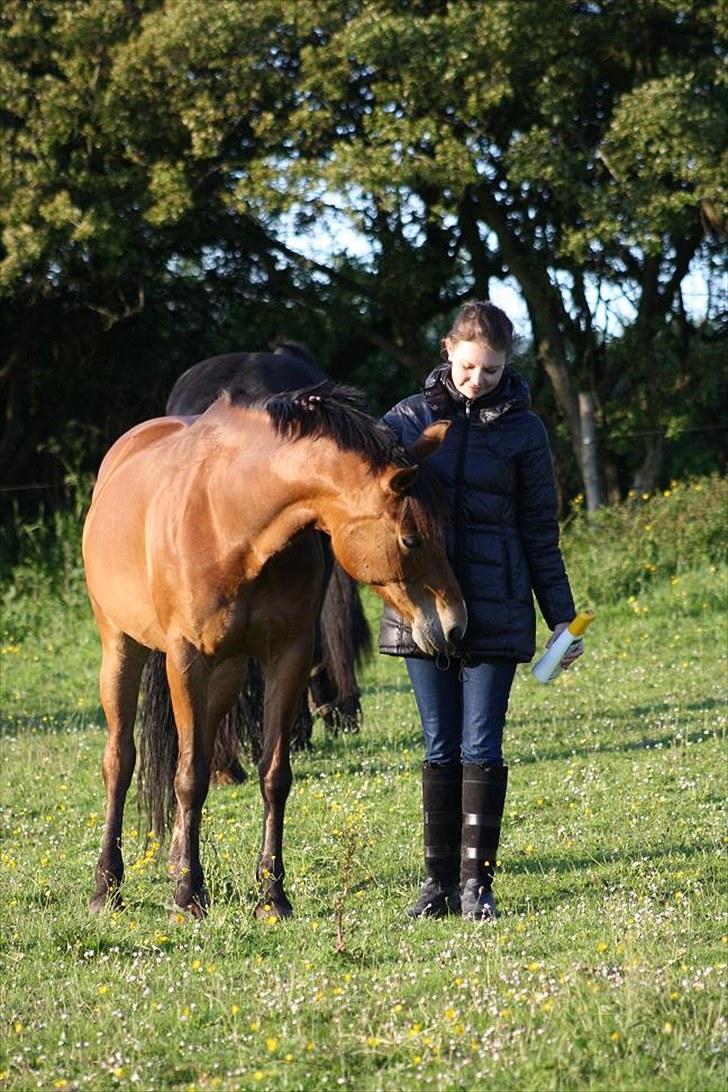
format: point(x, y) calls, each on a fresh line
point(346, 640)
point(226, 767)
point(157, 748)
point(248, 714)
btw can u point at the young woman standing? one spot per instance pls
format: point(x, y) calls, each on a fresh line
point(503, 543)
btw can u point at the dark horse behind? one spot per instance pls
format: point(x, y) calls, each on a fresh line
point(343, 637)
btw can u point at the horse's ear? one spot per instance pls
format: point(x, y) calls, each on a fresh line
point(399, 480)
point(428, 441)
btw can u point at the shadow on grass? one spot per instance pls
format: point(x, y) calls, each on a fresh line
point(668, 741)
point(358, 753)
point(363, 755)
point(531, 866)
point(75, 720)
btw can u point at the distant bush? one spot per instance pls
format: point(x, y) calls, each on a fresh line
point(40, 568)
point(626, 549)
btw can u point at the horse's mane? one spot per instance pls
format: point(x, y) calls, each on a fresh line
point(336, 412)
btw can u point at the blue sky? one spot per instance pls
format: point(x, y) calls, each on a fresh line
point(332, 235)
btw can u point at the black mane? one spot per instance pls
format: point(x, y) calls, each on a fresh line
point(336, 411)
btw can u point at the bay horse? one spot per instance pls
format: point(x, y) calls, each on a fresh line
point(343, 634)
point(185, 552)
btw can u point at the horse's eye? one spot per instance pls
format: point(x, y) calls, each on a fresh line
point(411, 542)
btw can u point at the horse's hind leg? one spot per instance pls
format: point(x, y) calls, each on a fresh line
point(121, 668)
point(345, 638)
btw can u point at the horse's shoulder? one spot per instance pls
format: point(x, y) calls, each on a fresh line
point(139, 438)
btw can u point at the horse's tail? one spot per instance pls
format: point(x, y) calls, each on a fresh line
point(346, 640)
point(225, 766)
point(157, 748)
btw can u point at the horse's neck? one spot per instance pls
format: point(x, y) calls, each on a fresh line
point(264, 495)
point(332, 482)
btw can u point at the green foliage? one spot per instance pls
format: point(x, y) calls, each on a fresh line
point(156, 156)
point(620, 553)
point(665, 150)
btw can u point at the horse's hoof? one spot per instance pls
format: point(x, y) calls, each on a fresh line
point(106, 900)
point(194, 905)
point(234, 774)
point(191, 911)
point(271, 910)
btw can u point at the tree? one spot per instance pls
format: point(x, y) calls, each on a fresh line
point(573, 145)
point(156, 154)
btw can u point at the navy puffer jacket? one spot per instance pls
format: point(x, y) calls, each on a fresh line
point(503, 537)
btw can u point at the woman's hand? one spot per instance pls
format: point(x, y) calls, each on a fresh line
point(574, 652)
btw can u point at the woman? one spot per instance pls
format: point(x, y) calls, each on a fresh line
point(503, 542)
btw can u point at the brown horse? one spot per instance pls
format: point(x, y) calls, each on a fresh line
point(198, 543)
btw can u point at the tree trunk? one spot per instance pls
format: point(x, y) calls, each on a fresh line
point(550, 325)
point(589, 455)
point(647, 477)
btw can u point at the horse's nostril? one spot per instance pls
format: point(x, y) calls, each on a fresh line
point(455, 635)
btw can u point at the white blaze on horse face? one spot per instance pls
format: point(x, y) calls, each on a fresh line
point(438, 621)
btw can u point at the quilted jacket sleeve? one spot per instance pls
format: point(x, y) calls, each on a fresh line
point(404, 419)
point(539, 528)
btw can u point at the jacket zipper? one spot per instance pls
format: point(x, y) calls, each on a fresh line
point(459, 514)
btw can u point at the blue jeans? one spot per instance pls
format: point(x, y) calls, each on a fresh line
point(462, 709)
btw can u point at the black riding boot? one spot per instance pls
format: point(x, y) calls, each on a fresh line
point(441, 795)
point(484, 794)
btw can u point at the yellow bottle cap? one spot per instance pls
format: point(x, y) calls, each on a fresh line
point(582, 622)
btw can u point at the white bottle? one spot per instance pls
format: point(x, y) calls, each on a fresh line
point(549, 666)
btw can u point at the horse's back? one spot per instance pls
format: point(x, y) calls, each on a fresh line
point(137, 439)
point(249, 377)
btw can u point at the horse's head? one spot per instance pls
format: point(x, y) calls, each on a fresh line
point(394, 542)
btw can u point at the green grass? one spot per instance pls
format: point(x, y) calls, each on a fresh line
point(605, 969)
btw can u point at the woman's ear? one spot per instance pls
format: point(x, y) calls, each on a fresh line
point(429, 440)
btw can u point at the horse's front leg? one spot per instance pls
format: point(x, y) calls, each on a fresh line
point(188, 675)
point(121, 668)
point(286, 680)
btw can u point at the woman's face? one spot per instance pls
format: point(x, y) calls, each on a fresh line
point(476, 368)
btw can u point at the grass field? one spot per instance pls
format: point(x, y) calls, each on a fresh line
point(606, 969)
